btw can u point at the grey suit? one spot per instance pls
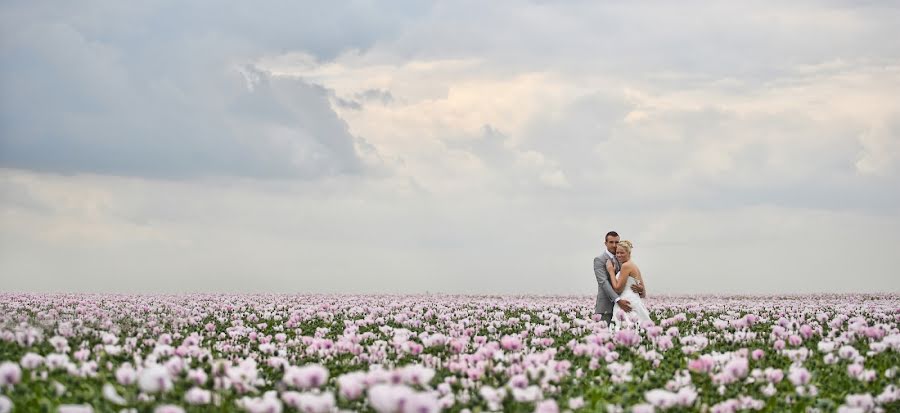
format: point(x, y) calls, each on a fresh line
point(606, 296)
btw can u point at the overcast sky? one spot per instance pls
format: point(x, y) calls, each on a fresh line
point(464, 147)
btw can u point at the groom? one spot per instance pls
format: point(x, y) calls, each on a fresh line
point(606, 296)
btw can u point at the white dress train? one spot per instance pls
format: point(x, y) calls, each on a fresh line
point(638, 310)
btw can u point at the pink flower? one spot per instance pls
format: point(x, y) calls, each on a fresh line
point(660, 398)
point(774, 375)
point(847, 352)
point(854, 370)
point(510, 343)
point(308, 402)
point(351, 385)
point(738, 367)
point(795, 340)
point(197, 396)
point(457, 346)
point(875, 333)
point(664, 343)
point(386, 398)
point(168, 408)
point(799, 376)
point(701, 365)
point(576, 403)
point(547, 406)
point(628, 338)
point(422, 403)
point(686, 396)
point(493, 397)
point(269, 403)
point(31, 361)
point(197, 376)
point(154, 379)
point(757, 354)
point(307, 377)
point(862, 401)
point(126, 375)
point(10, 374)
point(642, 408)
point(778, 345)
point(806, 331)
point(82, 355)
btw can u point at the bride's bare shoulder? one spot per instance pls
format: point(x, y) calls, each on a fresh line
point(631, 266)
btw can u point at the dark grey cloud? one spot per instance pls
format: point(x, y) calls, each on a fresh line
point(382, 97)
point(752, 41)
point(376, 95)
point(166, 89)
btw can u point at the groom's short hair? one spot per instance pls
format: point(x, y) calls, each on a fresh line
point(610, 234)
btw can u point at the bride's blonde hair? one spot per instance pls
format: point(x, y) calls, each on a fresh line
point(627, 245)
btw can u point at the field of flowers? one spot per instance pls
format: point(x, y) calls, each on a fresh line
point(430, 353)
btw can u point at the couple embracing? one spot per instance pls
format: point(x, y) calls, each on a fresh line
point(620, 286)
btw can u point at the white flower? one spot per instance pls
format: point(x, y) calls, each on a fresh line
point(307, 377)
point(110, 393)
point(126, 375)
point(269, 403)
point(863, 401)
point(352, 385)
point(547, 406)
point(422, 403)
point(576, 403)
point(662, 399)
point(826, 346)
point(197, 376)
point(10, 374)
point(308, 402)
point(417, 374)
point(686, 396)
point(197, 396)
point(57, 361)
point(59, 388)
point(60, 344)
point(155, 379)
point(493, 397)
point(31, 361)
point(168, 408)
point(6, 405)
point(528, 394)
point(75, 408)
point(386, 398)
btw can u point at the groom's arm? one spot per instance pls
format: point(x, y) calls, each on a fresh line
point(602, 279)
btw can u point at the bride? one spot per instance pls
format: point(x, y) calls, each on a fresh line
point(629, 274)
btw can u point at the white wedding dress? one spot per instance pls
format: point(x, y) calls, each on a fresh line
point(638, 310)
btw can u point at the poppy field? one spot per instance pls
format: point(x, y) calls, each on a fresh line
point(445, 353)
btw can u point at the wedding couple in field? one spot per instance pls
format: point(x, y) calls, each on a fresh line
point(620, 286)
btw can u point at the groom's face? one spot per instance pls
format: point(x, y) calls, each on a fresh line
point(612, 243)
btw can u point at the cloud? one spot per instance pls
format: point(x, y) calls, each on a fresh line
point(410, 147)
point(133, 91)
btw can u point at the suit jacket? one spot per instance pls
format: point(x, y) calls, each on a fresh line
point(606, 296)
